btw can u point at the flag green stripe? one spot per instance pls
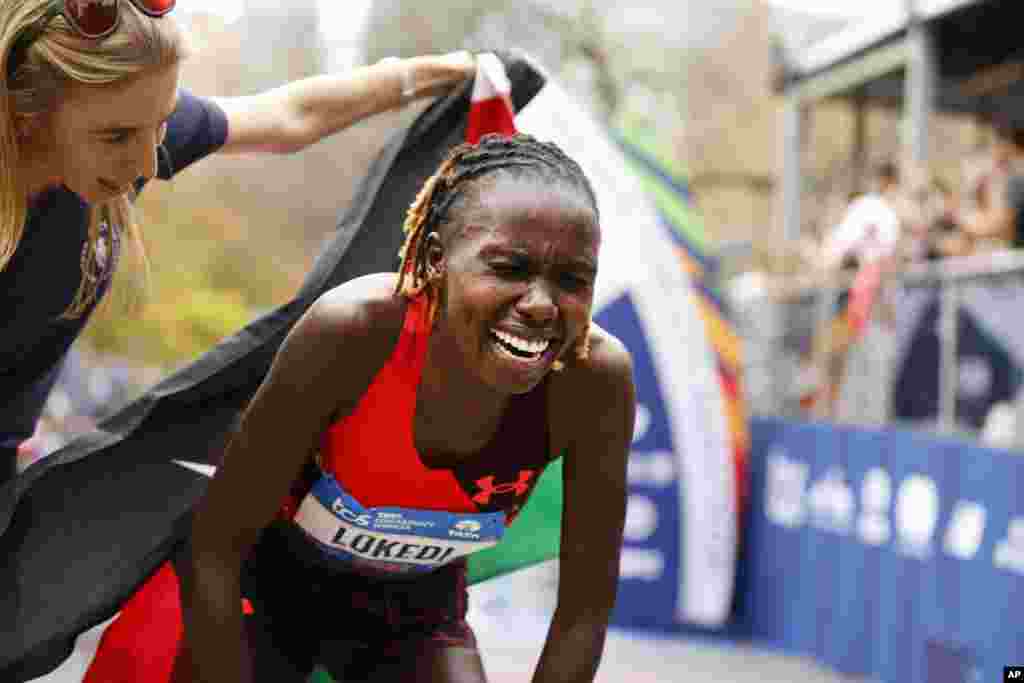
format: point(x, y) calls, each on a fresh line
point(684, 218)
point(533, 537)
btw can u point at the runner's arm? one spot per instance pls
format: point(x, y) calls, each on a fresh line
point(321, 370)
point(599, 403)
point(300, 113)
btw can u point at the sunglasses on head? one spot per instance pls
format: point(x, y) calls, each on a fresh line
point(92, 19)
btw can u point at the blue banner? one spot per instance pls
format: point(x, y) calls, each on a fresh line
point(649, 587)
point(885, 554)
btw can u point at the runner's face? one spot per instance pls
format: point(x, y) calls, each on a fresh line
point(104, 138)
point(519, 272)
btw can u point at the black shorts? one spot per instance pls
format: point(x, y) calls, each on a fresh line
point(307, 613)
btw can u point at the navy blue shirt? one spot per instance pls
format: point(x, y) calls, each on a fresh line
point(43, 276)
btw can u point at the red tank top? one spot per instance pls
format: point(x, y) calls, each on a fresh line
point(371, 452)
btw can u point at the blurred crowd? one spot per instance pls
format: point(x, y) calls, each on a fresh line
point(910, 215)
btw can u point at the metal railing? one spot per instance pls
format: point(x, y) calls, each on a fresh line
point(778, 334)
point(951, 276)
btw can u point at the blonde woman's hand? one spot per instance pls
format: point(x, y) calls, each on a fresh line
point(433, 75)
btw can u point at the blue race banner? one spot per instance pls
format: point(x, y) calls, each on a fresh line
point(886, 554)
point(650, 554)
point(846, 644)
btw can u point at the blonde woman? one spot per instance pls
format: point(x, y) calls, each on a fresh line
point(90, 110)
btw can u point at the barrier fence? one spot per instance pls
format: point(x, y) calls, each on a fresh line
point(874, 543)
point(887, 554)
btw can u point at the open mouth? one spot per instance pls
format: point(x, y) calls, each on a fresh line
point(519, 347)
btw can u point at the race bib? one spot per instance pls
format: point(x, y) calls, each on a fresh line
point(392, 539)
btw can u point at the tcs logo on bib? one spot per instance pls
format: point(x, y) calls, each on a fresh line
point(338, 508)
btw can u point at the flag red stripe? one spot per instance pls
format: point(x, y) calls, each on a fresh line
point(141, 644)
point(493, 115)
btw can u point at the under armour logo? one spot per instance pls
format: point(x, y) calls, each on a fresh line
point(487, 487)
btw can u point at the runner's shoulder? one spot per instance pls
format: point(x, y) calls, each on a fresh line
point(608, 360)
point(365, 310)
point(604, 378)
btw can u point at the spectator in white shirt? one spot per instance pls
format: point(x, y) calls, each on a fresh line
point(870, 228)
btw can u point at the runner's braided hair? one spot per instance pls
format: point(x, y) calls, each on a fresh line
point(520, 156)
